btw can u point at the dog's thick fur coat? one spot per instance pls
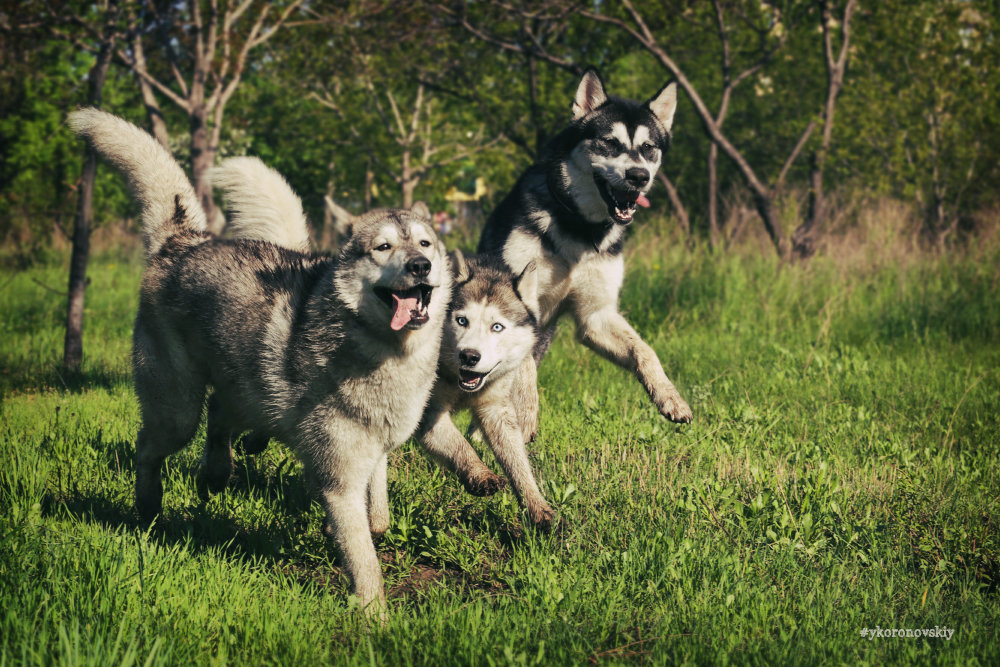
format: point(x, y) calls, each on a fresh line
point(333, 356)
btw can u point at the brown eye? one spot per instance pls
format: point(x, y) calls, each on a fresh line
point(425, 243)
point(383, 247)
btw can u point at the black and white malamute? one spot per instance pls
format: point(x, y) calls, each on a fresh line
point(567, 214)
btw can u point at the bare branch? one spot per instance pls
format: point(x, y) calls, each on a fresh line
point(141, 71)
point(780, 182)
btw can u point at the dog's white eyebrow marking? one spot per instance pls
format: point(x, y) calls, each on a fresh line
point(641, 136)
point(620, 132)
point(419, 231)
point(387, 234)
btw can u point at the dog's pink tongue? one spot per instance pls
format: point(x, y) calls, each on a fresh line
point(402, 311)
point(642, 201)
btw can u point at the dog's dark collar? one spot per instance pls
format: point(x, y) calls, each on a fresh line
point(571, 208)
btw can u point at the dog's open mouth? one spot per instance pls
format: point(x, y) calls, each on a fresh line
point(621, 202)
point(470, 380)
point(409, 306)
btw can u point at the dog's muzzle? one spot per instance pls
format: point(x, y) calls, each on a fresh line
point(621, 201)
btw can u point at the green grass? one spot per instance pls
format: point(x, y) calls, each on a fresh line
point(841, 473)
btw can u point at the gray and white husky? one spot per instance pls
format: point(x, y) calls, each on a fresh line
point(488, 341)
point(491, 331)
point(567, 214)
point(333, 356)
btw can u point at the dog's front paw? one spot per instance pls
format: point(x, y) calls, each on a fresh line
point(542, 516)
point(484, 485)
point(211, 481)
point(675, 409)
point(253, 442)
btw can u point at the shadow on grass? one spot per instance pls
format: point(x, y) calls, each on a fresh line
point(27, 379)
point(287, 541)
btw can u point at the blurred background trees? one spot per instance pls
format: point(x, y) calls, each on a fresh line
point(379, 103)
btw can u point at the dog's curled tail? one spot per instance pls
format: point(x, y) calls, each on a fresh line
point(261, 204)
point(156, 180)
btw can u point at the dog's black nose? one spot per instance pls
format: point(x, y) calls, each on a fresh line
point(469, 357)
point(419, 266)
point(637, 177)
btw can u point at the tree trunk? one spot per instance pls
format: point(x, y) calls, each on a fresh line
point(369, 182)
point(713, 195)
point(202, 159)
point(407, 180)
point(676, 203)
point(73, 342)
point(803, 240)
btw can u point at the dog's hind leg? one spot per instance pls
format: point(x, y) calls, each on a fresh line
point(501, 427)
point(446, 446)
point(217, 458)
point(378, 499)
point(170, 398)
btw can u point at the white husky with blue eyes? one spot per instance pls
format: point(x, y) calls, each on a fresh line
point(486, 352)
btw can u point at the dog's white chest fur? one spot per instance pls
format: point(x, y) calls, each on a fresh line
point(576, 272)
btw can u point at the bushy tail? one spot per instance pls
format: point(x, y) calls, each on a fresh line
point(261, 204)
point(156, 180)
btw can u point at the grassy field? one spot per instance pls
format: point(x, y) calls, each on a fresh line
point(841, 474)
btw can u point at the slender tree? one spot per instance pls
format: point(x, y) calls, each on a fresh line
point(803, 240)
point(73, 342)
point(204, 47)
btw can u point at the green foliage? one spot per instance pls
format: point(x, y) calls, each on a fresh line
point(841, 473)
point(41, 159)
point(916, 119)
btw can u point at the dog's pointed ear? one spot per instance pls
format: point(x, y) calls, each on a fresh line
point(459, 267)
point(664, 104)
point(421, 209)
point(589, 94)
point(343, 220)
point(527, 286)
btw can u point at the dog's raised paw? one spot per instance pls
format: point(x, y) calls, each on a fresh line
point(676, 410)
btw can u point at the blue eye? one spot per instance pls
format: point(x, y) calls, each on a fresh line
point(462, 322)
point(497, 327)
